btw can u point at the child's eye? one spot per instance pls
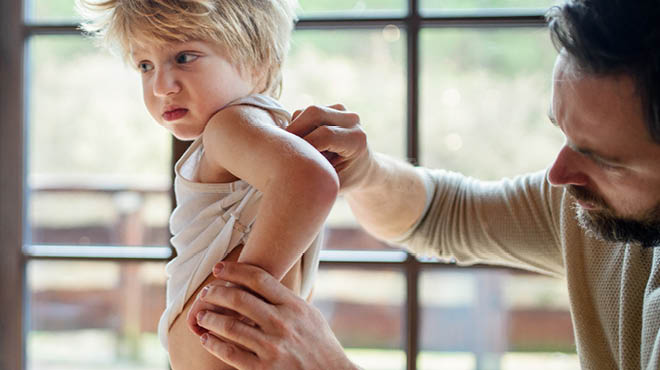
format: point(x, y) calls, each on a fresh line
point(145, 67)
point(184, 58)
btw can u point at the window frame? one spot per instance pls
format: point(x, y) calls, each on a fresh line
point(12, 263)
point(15, 32)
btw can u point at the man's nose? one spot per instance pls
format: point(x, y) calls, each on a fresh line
point(165, 83)
point(567, 169)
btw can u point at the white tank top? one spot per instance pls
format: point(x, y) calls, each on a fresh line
point(210, 220)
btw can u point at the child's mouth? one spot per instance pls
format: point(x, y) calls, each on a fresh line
point(175, 114)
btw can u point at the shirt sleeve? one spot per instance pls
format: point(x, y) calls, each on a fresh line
point(429, 189)
point(512, 222)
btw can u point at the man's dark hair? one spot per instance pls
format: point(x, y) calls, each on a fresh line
point(611, 37)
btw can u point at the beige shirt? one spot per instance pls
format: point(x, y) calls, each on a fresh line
point(526, 223)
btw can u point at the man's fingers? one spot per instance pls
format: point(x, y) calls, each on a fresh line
point(343, 141)
point(196, 307)
point(340, 107)
point(231, 328)
point(315, 116)
point(255, 279)
point(296, 114)
point(229, 353)
point(237, 299)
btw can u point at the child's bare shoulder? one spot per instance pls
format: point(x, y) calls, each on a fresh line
point(239, 128)
point(240, 117)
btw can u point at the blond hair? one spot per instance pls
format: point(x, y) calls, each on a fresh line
point(254, 34)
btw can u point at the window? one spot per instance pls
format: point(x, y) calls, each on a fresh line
point(86, 188)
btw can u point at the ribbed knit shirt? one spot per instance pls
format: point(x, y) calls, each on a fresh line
point(614, 289)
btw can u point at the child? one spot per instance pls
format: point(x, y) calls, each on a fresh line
point(211, 70)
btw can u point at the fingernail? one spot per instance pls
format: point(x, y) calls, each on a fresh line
point(204, 292)
point(200, 315)
point(204, 338)
point(217, 269)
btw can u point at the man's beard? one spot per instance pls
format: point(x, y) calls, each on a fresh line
point(605, 224)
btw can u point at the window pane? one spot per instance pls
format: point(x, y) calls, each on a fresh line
point(99, 167)
point(485, 98)
point(51, 11)
point(482, 319)
point(351, 7)
point(486, 4)
point(95, 315)
point(328, 67)
point(54, 11)
point(343, 66)
point(365, 309)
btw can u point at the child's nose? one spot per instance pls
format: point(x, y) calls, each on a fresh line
point(165, 83)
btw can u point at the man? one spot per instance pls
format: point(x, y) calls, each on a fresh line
point(592, 218)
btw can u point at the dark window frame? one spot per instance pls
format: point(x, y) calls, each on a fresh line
point(14, 33)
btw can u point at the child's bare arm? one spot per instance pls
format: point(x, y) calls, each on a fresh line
point(299, 186)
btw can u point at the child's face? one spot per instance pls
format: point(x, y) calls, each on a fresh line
point(185, 83)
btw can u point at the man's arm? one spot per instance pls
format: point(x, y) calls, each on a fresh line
point(391, 199)
point(386, 196)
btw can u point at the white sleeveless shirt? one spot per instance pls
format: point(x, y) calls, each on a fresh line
point(210, 220)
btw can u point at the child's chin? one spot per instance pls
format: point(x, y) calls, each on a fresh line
point(185, 136)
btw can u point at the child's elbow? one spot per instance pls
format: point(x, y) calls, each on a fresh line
point(321, 183)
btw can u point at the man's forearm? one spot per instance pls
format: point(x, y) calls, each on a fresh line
point(390, 199)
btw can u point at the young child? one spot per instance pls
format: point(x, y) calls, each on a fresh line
point(246, 189)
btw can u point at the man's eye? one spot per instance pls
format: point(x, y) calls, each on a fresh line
point(145, 67)
point(184, 58)
point(605, 166)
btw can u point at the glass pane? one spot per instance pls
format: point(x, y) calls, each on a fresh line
point(365, 309)
point(99, 167)
point(344, 233)
point(483, 319)
point(63, 11)
point(351, 7)
point(486, 4)
point(95, 315)
point(485, 98)
point(51, 11)
point(332, 66)
point(343, 66)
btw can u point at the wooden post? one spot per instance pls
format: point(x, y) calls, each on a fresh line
point(12, 263)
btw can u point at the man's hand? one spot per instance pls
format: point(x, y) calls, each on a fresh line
point(338, 135)
point(282, 331)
